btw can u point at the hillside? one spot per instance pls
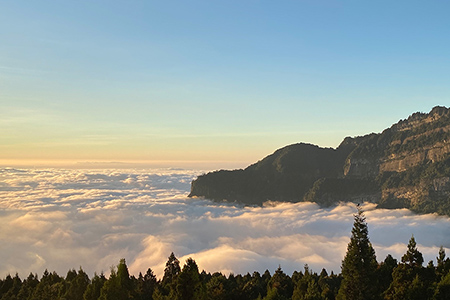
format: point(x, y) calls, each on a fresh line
point(406, 165)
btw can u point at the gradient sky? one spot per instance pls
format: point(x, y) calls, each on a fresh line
point(226, 82)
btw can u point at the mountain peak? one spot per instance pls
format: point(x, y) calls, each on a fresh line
point(406, 165)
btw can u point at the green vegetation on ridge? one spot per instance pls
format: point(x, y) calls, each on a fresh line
point(407, 165)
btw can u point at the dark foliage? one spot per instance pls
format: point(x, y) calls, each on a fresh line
point(361, 278)
point(405, 166)
point(359, 265)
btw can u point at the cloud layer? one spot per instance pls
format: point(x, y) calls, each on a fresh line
point(63, 219)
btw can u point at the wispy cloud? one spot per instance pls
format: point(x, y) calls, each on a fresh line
point(61, 219)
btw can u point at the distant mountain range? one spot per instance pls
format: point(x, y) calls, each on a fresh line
point(405, 166)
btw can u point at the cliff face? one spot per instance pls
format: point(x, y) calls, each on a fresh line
point(407, 165)
point(420, 139)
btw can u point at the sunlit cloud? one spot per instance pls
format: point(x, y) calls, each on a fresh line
point(63, 219)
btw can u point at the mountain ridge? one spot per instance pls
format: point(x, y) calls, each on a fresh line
point(405, 166)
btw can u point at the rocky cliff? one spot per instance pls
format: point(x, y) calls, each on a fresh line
point(406, 165)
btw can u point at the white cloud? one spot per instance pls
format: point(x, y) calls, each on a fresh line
point(63, 219)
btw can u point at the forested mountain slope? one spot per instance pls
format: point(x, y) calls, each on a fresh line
point(406, 165)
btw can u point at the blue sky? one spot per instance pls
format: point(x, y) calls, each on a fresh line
point(226, 82)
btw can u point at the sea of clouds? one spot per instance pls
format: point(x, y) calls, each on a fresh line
point(59, 219)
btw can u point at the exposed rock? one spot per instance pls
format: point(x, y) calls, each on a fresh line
point(407, 165)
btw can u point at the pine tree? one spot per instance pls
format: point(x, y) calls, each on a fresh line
point(172, 269)
point(93, 289)
point(77, 285)
point(282, 283)
point(443, 264)
point(313, 292)
point(215, 288)
point(359, 265)
point(146, 285)
point(189, 285)
point(384, 272)
point(407, 277)
point(13, 289)
point(167, 289)
point(118, 286)
point(301, 283)
point(443, 288)
point(123, 276)
point(412, 257)
point(28, 287)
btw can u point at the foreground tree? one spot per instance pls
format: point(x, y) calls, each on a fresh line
point(384, 271)
point(167, 288)
point(279, 286)
point(94, 288)
point(118, 286)
point(77, 284)
point(359, 265)
point(443, 288)
point(408, 280)
point(189, 285)
point(146, 285)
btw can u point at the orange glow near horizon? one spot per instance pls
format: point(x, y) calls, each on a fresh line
point(122, 164)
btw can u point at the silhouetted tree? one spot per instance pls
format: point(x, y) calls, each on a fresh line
point(6, 285)
point(189, 285)
point(280, 286)
point(359, 265)
point(28, 287)
point(76, 285)
point(384, 272)
point(215, 287)
point(312, 292)
point(443, 288)
point(167, 289)
point(93, 289)
point(146, 285)
point(118, 286)
point(11, 287)
point(301, 283)
point(171, 270)
point(406, 277)
point(412, 257)
point(49, 287)
point(443, 264)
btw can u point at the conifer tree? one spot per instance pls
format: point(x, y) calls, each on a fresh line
point(301, 283)
point(384, 272)
point(189, 285)
point(172, 269)
point(6, 285)
point(146, 285)
point(359, 265)
point(167, 289)
point(313, 292)
point(412, 257)
point(28, 286)
point(118, 286)
point(123, 276)
point(440, 269)
point(14, 288)
point(407, 277)
point(215, 287)
point(443, 288)
point(77, 285)
point(281, 283)
point(93, 289)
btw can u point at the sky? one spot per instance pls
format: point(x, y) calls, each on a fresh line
point(62, 219)
point(210, 83)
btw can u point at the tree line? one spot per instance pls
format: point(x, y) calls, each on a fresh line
point(361, 278)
